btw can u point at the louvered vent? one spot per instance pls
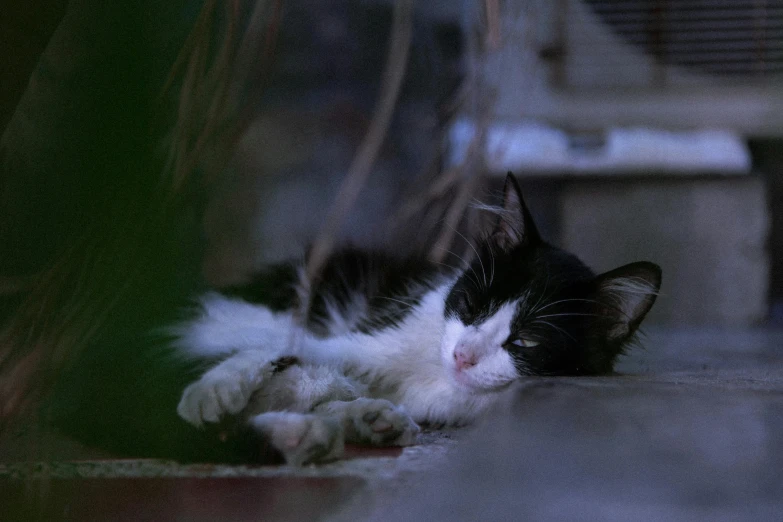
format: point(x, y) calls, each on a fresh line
point(728, 38)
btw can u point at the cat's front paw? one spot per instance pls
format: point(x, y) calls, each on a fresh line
point(301, 438)
point(378, 422)
point(213, 396)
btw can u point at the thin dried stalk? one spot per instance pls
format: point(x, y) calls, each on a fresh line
point(396, 64)
point(209, 102)
point(477, 102)
point(455, 212)
point(492, 10)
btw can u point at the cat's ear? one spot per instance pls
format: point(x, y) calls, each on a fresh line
point(515, 226)
point(626, 294)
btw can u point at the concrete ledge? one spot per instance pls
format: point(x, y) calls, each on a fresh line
point(708, 235)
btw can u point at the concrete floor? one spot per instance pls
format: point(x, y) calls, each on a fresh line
point(691, 430)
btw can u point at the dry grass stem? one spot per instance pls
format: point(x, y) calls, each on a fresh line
point(394, 72)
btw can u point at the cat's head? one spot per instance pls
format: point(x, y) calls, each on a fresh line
point(524, 307)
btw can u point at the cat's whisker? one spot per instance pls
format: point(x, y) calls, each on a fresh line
point(555, 327)
point(543, 293)
point(393, 315)
point(409, 304)
point(470, 244)
point(614, 308)
point(456, 269)
point(492, 274)
point(567, 315)
point(467, 264)
point(565, 301)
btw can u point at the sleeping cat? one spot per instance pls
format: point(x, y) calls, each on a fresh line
point(388, 344)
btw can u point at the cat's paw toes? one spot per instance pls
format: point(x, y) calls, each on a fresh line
point(301, 438)
point(378, 422)
point(208, 399)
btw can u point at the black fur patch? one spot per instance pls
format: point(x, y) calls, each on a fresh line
point(273, 287)
point(283, 363)
point(368, 290)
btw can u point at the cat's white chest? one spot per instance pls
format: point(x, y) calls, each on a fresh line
point(439, 400)
point(403, 364)
point(413, 374)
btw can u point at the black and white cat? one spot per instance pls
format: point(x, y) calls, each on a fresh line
point(388, 344)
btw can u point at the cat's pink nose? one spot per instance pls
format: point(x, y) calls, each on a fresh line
point(464, 361)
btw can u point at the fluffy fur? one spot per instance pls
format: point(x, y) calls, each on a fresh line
point(389, 344)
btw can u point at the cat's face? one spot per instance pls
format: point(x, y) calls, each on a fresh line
point(524, 307)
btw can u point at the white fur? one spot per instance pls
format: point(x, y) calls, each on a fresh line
point(301, 438)
point(227, 325)
point(377, 422)
point(300, 387)
point(403, 364)
point(225, 388)
point(630, 285)
point(483, 343)
point(410, 364)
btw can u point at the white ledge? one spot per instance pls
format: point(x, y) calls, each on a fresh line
point(531, 147)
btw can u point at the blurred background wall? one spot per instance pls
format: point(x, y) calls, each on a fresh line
point(641, 129)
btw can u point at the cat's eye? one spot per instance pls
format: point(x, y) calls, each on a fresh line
point(523, 343)
point(465, 304)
